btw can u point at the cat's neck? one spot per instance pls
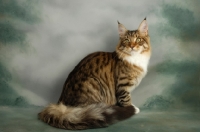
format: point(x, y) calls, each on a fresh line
point(137, 59)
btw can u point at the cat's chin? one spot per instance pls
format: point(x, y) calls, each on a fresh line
point(134, 52)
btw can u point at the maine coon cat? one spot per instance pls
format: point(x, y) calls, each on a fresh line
point(97, 93)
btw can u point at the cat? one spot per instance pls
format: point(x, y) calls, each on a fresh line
point(97, 93)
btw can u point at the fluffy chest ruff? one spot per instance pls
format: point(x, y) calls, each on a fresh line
point(139, 60)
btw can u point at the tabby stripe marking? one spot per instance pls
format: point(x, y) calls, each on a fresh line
point(125, 84)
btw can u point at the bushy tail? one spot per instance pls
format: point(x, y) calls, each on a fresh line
point(92, 116)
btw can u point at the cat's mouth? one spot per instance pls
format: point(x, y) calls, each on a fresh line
point(129, 53)
point(133, 50)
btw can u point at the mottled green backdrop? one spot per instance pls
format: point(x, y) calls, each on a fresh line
point(41, 42)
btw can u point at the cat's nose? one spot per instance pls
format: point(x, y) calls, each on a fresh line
point(132, 46)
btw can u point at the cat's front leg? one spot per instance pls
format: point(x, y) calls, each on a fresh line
point(137, 110)
point(124, 99)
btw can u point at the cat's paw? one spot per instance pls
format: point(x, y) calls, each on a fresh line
point(137, 110)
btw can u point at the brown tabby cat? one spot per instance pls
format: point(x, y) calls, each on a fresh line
point(97, 93)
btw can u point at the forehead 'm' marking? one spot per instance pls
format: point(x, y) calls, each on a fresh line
point(131, 33)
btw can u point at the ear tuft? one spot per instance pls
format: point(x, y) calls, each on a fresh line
point(118, 22)
point(121, 29)
point(143, 28)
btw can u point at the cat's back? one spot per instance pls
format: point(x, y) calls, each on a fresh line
point(94, 62)
point(93, 72)
point(98, 59)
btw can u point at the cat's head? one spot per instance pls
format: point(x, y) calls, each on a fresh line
point(134, 41)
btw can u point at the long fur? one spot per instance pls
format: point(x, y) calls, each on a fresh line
point(97, 93)
point(91, 116)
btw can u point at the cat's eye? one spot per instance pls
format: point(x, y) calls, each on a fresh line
point(126, 41)
point(138, 40)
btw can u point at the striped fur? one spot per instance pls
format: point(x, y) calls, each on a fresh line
point(97, 93)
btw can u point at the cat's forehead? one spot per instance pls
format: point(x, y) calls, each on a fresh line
point(131, 32)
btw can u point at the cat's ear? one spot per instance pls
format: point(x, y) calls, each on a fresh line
point(121, 29)
point(143, 28)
